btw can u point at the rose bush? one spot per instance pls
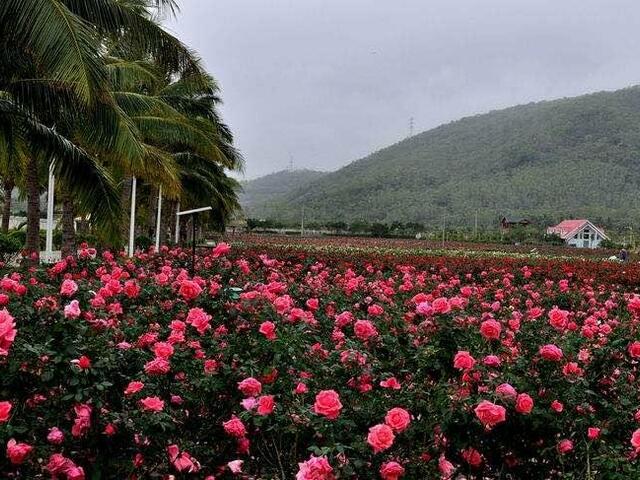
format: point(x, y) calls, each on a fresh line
point(292, 364)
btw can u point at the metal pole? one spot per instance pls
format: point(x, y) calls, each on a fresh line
point(302, 223)
point(158, 216)
point(178, 224)
point(444, 228)
point(193, 245)
point(475, 226)
point(132, 220)
point(50, 200)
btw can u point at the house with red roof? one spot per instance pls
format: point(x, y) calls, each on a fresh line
point(579, 233)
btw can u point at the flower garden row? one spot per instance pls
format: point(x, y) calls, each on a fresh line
point(291, 364)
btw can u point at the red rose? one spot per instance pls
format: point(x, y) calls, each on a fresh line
point(328, 404)
point(380, 437)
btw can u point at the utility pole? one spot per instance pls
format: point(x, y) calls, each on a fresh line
point(475, 226)
point(302, 223)
point(444, 228)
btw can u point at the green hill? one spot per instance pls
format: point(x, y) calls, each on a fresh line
point(259, 195)
point(576, 157)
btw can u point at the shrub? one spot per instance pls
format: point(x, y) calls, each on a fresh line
point(358, 367)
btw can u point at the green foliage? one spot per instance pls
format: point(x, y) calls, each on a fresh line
point(571, 158)
point(10, 245)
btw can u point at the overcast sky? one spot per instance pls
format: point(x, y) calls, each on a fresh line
point(325, 82)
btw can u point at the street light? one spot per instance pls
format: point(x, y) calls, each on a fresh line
point(193, 236)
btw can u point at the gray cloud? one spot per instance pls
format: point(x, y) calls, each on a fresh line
point(329, 81)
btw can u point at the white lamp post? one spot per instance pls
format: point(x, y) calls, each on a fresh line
point(132, 220)
point(50, 200)
point(159, 214)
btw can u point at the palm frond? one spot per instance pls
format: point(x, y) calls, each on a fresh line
point(65, 46)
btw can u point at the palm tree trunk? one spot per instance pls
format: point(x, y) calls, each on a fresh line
point(68, 226)
point(32, 245)
point(6, 208)
point(152, 212)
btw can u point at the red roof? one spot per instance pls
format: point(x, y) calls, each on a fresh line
point(565, 228)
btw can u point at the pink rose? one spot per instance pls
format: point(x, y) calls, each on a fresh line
point(55, 436)
point(463, 360)
point(551, 353)
point(634, 350)
point(364, 330)
point(558, 318)
point(489, 413)
point(250, 387)
point(268, 329)
point(524, 403)
point(635, 439)
point(391, 471)
point(328, 404)
point(506, 391)
point(17, 452)
point(398, 419)
point(235, 466)
point(380, 437)
point(565, 446)
point(152, 404)
point(220, 250)
point(189, 289)
point(490, 329)
point(5, 411)
point(72, 310)
point(68, 288)
point(133, 387)
point(593, 433)
point(266, 405)
point(316, 468)
point(235, 427)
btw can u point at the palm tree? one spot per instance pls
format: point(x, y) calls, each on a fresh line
point(52, 66)
point(178, 120)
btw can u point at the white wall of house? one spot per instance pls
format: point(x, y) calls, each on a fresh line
point(587, 237)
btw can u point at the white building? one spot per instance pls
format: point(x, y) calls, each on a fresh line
point(579, 233)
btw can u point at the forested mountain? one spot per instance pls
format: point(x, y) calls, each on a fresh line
point(575, 157)
point(259, 195)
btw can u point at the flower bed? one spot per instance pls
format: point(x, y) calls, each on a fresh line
point(293, 364)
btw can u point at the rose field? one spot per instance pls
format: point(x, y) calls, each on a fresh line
point(282, 363)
